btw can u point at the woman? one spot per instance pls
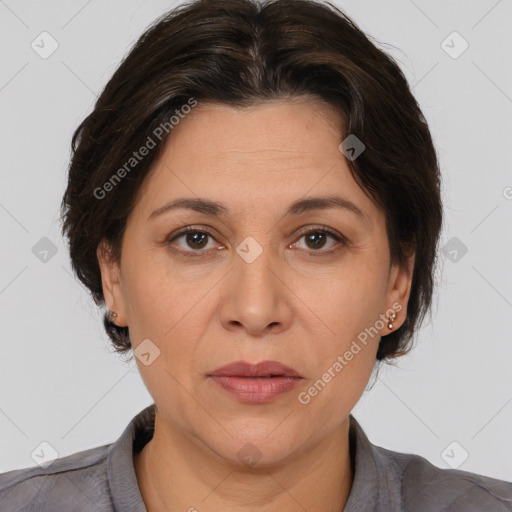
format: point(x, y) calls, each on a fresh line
point(256, 201)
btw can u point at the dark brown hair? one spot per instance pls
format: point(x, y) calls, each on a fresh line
point(241, 53)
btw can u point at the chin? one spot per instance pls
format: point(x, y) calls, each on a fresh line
point(258, 443)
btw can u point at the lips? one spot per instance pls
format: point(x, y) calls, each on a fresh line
point(256, 383)
point(263, 369)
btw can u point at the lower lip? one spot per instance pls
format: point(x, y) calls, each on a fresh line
point(258, 390)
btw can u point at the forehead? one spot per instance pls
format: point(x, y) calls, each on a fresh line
point(279, 129)
point(254, 158)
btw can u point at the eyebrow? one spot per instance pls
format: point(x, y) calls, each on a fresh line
point(298, 207)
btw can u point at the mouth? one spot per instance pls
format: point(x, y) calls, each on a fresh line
point(256, 383)
point(264, 369)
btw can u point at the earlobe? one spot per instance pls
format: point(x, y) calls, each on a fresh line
point(400, 290)
point(111, 282)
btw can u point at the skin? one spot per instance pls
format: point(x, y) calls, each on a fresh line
point(296, 303)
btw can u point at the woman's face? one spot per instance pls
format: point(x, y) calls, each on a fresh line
point(256, 279)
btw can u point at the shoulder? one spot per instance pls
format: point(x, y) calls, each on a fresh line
point(428, 487)
point(76, 482)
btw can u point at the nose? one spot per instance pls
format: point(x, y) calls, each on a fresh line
point(256, 297)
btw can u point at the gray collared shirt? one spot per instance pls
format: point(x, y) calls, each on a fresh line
point(103, 479)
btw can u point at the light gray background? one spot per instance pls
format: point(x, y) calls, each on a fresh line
point(59, 380)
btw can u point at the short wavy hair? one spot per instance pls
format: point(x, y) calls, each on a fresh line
point(241, 53)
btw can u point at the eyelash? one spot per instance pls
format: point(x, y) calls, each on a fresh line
point(318, 229)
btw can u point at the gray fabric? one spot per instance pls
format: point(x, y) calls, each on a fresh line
point(103, 479)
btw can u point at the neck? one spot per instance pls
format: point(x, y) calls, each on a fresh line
point(176, 472)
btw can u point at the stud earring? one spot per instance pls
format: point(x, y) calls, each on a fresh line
point(391, 319)
point(113, 314)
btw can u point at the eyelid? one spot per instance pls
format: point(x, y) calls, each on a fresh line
point(320, 227)
point(191, 229)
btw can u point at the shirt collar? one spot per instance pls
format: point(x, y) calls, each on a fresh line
point(120, 466)
point(376, 487)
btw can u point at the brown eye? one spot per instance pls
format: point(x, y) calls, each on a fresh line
point(192, 241)
point(197, 240)
point(317, 239)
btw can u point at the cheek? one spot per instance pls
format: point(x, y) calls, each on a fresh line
point(345, 357)
point(146, 302)
point(351, 299)
point(155, 298)
point(170, 314)
point(330, 398)
point(170, 311)
point(353, 305)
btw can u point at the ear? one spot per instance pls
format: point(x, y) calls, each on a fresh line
point(399, 290)
point(111, 282)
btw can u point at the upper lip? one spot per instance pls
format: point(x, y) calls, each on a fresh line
point(262, 369)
